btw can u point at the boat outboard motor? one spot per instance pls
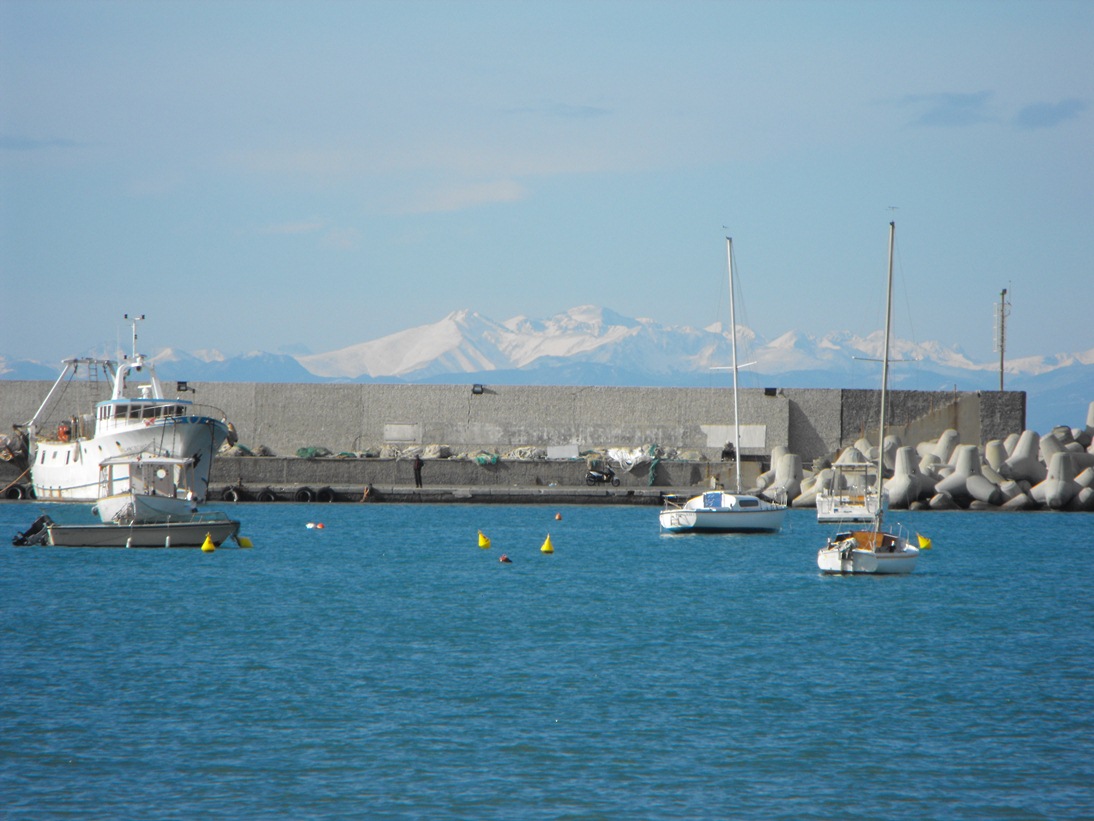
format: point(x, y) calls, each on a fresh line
point(35, 534)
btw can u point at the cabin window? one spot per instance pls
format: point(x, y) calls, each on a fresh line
point(748, 502)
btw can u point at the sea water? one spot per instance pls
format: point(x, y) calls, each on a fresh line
point(385, 666)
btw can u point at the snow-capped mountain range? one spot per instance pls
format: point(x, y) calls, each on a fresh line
point(589, 345)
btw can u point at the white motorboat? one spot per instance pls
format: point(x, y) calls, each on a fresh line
point(154, 489)
point(873, 550)
point(849, 495)
point(720, 511)
point(138, 417)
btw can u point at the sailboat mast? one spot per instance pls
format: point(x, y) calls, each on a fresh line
point(733, 331)
point(885, 365)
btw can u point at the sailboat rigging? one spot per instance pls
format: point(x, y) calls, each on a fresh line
point(717, 511)
point(873, 550)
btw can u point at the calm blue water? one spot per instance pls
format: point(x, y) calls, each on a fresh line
point(386, 667)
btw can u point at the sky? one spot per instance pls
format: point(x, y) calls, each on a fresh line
point(303, 176)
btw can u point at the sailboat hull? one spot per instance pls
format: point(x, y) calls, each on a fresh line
point(871, 552)
point(720, 512)
point(724, 521)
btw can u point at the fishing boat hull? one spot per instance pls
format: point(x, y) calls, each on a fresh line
point(69, 471)
point(123, 508)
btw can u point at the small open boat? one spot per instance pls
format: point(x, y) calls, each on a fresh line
point(189, 532)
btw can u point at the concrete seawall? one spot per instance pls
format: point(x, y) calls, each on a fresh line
point(813, 423)
point(285, 479)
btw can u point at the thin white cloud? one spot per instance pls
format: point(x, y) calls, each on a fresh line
point(952, 110)
point(341, 239)
point(1048, 115)
point(461, 196)
point(13, 142)
point(293, 228)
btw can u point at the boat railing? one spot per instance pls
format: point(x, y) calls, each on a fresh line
point(205, 410)
point(195, 517)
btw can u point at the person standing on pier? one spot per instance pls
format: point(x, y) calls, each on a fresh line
point(418, 470)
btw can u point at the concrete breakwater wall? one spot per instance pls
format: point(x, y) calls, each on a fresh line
point(698, 422)
point(269, 479)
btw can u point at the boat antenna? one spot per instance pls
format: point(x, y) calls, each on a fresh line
point(733, 337)
point(134, 319)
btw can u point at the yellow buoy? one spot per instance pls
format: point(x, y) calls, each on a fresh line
point(547, 546)
point(245, 542)
point(207, 546)
point(484, 542)
point(924, 542)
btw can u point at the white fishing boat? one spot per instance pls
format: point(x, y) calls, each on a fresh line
point(719, 511)
point(154, 489)
point(849, 495)
point(66, 452)
point(874, 550)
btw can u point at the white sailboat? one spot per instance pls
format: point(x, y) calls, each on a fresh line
point(873, 550)
point(718, 511)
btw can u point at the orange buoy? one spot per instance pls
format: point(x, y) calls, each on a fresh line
point(558, 517)
point(505, 559)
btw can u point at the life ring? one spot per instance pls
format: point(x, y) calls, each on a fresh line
point(63, 431)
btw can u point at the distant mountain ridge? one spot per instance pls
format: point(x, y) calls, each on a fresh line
point(589, 345)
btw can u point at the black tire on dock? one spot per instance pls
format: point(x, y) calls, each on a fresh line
point(16, 492)
point(305, 494)
point(266, 495)
point(231, 494)
point(324, 494)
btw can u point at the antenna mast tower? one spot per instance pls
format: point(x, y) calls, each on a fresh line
point(1002, 311)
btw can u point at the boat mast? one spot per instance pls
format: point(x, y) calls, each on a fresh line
point(733, 330)
point(133, 320)
point(885, 368)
